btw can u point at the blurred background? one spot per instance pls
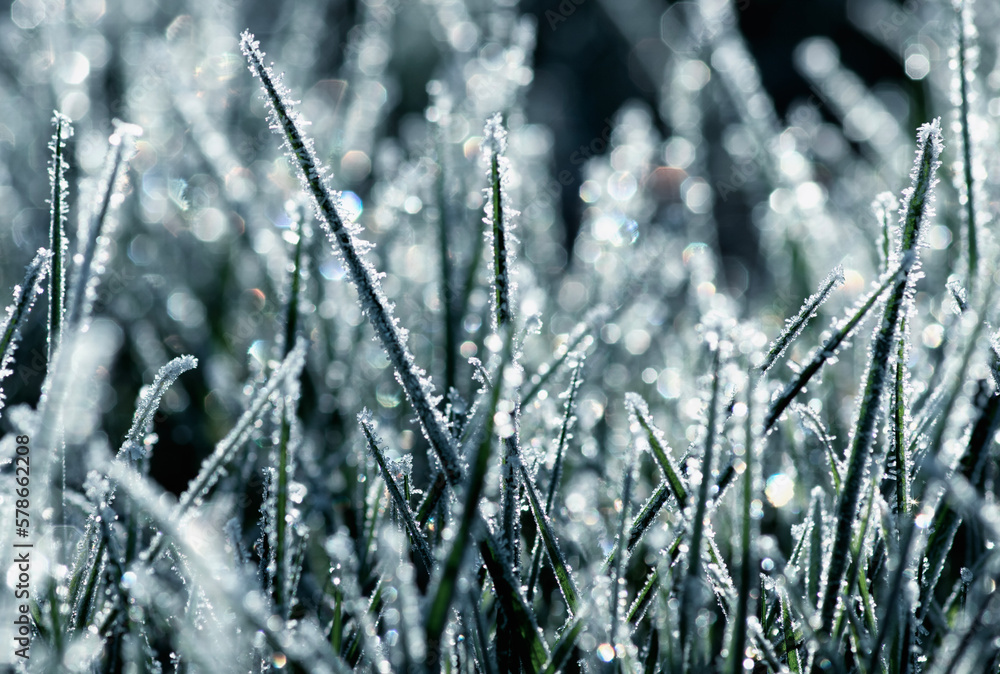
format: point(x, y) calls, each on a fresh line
point(743, 141)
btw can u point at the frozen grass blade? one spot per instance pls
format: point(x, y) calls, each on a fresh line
point(918, 209)
point(17, 312)
point(966, 30)
point(812, 421)
point(661, 451)
point(691, 591)
point(498, 217)
point(133, 448)
point(86, 264)
point(898, 425)
point(794, 326)
point(748, 581)
point(947, 520)
point(568, 419)
point(417, 538)
point(564, 645)
point(58, 244)
point(563, 576)
point(227, 449)
point(447, 581)
point(826, 351)
point(287, 123)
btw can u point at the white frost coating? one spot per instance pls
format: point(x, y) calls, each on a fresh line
point(17, 312)
point(149, 402)
point(344, 234)
point(794, 326)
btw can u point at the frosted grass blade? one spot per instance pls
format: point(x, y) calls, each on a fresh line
point(17, 312)
point(794, 326)
point(58, 244)
point(286, 122)
point(658, 446)
point(562, 572)
point(827, 350)
point(918, 209)
point(417, 537)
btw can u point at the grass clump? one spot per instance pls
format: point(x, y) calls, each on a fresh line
point(636, 463)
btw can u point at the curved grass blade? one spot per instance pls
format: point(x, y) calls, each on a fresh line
point(229, 446)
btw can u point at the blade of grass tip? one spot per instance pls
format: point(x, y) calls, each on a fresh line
point(748, 582)
point(149, 401)
point(286, 121)
point(79, 294)
point(568, 419)
point(498, 217)
point(658, 447)
point(795, 325)
point(419, 542)
point(918, 209)
point(791, 648)
point(692, 585)
point(17, 312)
point(58, 244)
point(966, 65)
point(578, 342)
point(564, 576)
point(447, 581)
point(564, 645)
point(227, 448)
point(827, 350)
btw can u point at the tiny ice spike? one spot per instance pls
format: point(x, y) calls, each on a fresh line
point(287, 122)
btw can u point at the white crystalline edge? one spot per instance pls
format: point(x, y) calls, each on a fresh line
point(344, 235)
point(17, 311)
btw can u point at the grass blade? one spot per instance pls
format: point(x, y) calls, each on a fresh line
point(794, 326)
point(287, 122)
point(17, 312)
point(918, 198)
point(58, 244)
point(563, 575)
point(419, 542)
